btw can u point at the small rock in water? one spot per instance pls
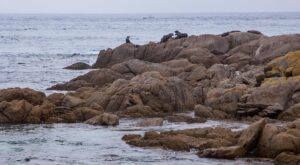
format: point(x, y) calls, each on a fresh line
point(78, 66)
point(150, 122)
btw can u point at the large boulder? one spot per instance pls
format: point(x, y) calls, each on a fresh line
point(225, 99)
point(272, 91)
point(264, 49)
point(32, 96)
point(249, 138)
point(239, 38)
point(150, 89)
point(41, 113)
point(109, 57)
point(135, 67)
point(85, 113)
point(71, 101)
point(285, 66)
point(104, 119)
point(207, 112)
point(278, 139)
point(246, 143)
point(14, 112)
point(198, 55)
point(287, 158)
point(219, 72)
point(291, 113)
point(95, 78)
point(211, 42)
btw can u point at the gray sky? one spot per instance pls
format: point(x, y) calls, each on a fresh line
point(147, 6)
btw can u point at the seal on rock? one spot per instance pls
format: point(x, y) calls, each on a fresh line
point(254, 32)
point(227, 33)
point(165, 38)
point(180, 35)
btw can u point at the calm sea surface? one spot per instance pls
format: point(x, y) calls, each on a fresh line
point(35, 48)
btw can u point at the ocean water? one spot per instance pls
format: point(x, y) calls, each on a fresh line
point(80, 144)
point(34, 48)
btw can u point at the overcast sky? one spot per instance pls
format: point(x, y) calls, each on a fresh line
point(147, 6)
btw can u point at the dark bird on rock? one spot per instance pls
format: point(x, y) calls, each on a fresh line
point(180, 35)
point(128, 40)
point(165, 38)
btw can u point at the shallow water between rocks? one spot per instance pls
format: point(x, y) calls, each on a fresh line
point(85, 144)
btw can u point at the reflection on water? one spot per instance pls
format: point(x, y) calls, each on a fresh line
point(85, 144)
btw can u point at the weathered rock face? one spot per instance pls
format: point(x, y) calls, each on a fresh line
point(239, 38)
point(264, 49)
point(291, 114)
point(275, 140)
point(225, 99)
point(245, 144)
point(207, 112)
point(285, 66)
point(32, 96)
point(78, 66)
point(274, 90)
point(41, 113)
point(150, 89)
point(110, 57)
point(15, 111)
point(95, 78)
point(135, 67)
point(287, 158)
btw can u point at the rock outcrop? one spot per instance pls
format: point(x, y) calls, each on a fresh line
point(78, 66)
point(31, 96)
point(234, 76)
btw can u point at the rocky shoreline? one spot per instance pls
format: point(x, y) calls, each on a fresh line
point(233, 76)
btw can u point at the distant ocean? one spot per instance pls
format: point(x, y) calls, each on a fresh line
point(35, 48)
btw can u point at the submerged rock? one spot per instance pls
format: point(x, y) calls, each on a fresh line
point(184, 140)
point(150, 122)
point(186, 119)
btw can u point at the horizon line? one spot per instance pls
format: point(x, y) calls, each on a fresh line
point(133, 13)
